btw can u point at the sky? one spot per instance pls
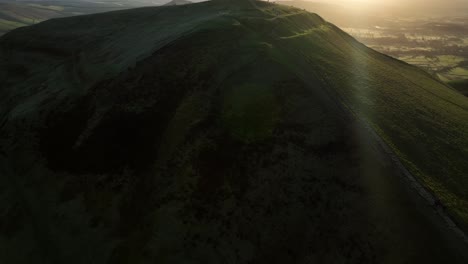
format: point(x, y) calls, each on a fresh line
point(396, 1)
point(410, 7)
point(451, 3)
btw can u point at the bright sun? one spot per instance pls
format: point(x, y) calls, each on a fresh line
point(364, 2)
point(372, 4)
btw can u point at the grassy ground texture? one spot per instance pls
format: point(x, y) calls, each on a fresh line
point(219, 132)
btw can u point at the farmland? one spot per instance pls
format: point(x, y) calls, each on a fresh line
point(439, 46)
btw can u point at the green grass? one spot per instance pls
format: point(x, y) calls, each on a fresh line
point(250, 112)
point(419, 117)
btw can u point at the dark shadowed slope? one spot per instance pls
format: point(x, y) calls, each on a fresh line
point(461, 86)
point(220, 133)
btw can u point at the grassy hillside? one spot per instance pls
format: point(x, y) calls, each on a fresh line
point(413, 113)
point(221, 132)
point(433, 43)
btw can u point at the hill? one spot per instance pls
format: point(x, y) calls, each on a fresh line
point(223, 132)
point(410, 32)
point(178, 2)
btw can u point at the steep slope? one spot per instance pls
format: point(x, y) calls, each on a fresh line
point(461, 86)
point(221, 132)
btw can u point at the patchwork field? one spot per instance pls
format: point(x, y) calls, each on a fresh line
point(439, 45)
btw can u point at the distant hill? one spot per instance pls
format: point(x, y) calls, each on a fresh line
point(224, 132)
point(178, 2)
point(14, 14)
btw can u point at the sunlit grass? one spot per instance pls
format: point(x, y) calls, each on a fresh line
point(423, 120)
